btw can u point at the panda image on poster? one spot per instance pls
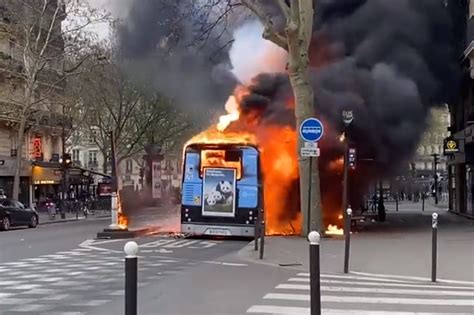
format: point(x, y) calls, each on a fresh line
point(225, 189)
point(219, 192)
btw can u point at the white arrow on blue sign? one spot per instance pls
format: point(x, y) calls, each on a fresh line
point(311, 130)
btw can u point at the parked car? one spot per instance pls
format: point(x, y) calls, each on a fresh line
point(14, 213)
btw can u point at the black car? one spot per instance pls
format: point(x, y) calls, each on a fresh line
point(14, 213)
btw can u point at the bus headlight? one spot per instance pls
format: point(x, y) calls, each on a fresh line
point(186, 210)
point(250, 212)
point(189, 219)
point(186, 215)
point(246, 222)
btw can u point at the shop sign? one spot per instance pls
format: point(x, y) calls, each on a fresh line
point(44, 182)
point(451, 146)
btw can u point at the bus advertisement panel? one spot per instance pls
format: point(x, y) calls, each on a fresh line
point(219, 187)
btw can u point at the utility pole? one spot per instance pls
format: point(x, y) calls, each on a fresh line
point(435, 171)
point(381, 206)
point(65, 164)
point(347, 118)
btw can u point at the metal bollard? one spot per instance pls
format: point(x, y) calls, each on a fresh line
point(131, 277)
point(423, 202)
point(347, 232)
point(434, 244)
point(396, 203)
point(256, 232)
point(314, 273)
point(262, 240)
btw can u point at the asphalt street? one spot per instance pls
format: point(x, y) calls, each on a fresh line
point(61, 269)
point(20, 243)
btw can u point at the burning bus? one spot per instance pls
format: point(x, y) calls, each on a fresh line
point(221, 187)
point(256, 162)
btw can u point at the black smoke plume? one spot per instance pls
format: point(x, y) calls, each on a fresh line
point(168, 45)
point(388, 61)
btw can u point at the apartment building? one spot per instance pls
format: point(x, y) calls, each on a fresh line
point(43, 131)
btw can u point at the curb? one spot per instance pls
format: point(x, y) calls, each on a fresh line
point(73, 220)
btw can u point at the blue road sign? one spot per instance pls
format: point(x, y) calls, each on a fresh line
point(311, 130)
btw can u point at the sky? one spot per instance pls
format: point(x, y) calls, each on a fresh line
point(118, 9)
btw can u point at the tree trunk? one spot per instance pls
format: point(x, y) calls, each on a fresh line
point(304, 108)
point(19, 155)
point(299, 33)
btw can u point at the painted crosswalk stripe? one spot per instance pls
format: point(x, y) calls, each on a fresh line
point(470, 283)
point(348, 277)
point(381, 284)
point(272, 309)
point(377, 290)
point(371, 300)
point(376, 276)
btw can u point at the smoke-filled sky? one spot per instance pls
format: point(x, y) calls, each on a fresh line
point(389, 61)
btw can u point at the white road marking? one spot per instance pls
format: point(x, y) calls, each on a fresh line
point(225, 263)
point(401, 285)
point(306, 275)
point(412, 278)
point(353, 278)
point(88, 245)
point(271, 309)
point(372, 300)
point(377, 290)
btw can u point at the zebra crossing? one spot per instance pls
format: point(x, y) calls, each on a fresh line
point(368, 295)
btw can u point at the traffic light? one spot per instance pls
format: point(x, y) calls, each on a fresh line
point(352, 158)
point(67, 160)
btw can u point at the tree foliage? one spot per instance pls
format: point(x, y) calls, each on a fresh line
point(112, 102)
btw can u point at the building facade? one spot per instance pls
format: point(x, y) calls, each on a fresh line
point(42, 138)
point(461, 160)
point(163, 175)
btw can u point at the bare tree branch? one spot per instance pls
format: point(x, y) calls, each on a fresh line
point(284, 8)
point(269, 32)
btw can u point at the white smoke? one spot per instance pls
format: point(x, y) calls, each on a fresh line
point(251, 55)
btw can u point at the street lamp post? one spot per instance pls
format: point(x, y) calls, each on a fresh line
point(435, 171)
point(347, 118)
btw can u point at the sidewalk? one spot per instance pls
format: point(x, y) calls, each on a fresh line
point(399, 246)
point(44, 217)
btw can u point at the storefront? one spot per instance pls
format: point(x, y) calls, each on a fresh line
point(46, 180)
point(460, 154)
point(7, 172)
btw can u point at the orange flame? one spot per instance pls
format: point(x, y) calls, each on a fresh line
point(232, 107)
point(122, 218)
point(342, 137)
point(280, 169)
point(334, 230)
point(337, 165)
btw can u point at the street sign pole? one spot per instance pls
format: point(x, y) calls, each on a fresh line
point(311, 131)
point(310, 184)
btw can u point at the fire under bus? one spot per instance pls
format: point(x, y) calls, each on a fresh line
point(222, 192)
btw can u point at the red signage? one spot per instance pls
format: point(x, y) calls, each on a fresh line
point(37, 145)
